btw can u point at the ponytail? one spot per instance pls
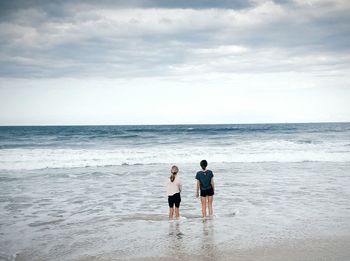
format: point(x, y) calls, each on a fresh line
point(174, 170)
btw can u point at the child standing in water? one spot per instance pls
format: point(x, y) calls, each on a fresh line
point(173, 188)
point(205, 182)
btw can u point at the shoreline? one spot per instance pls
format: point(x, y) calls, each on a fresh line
point(335, 248)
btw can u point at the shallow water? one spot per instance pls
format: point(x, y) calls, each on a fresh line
point(121, 211)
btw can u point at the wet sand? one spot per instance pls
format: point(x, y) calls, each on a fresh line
point(302, 249)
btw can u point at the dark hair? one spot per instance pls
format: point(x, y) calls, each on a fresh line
point(204, 164)
point(174, 170)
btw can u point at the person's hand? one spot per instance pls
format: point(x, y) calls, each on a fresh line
point(197, 195)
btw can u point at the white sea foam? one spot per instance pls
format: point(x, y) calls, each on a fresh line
point(271, 151)
point(71, 147)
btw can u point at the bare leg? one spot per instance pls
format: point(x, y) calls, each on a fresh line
point(210, 205)
point(204, 206)
point(171, 213)
point(177, 212)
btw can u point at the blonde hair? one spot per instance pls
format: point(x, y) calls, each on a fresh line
point(174, 170)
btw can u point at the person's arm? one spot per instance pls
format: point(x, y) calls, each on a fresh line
point(197, 189)
point(212, 183)
point(180, 185)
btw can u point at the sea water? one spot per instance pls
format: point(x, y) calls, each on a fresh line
point(98, 192)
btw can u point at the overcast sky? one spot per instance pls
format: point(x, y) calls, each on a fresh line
point(170, 62)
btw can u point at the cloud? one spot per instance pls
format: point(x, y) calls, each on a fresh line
point(126, 39)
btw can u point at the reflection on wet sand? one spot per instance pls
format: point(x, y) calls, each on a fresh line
point(180, 244)
point(208, 239)
point(176, 237)
point(174, 230)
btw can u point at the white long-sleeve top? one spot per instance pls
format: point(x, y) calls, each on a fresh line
point(173, 187)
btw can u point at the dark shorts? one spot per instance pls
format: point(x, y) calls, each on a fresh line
point(207, 192)
point(174, 199)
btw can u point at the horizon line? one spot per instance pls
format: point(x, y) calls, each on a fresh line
point(170, 124)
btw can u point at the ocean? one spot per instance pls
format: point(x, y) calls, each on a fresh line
point(98, 192)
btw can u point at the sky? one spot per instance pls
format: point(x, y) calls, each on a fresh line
point(174, 62)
